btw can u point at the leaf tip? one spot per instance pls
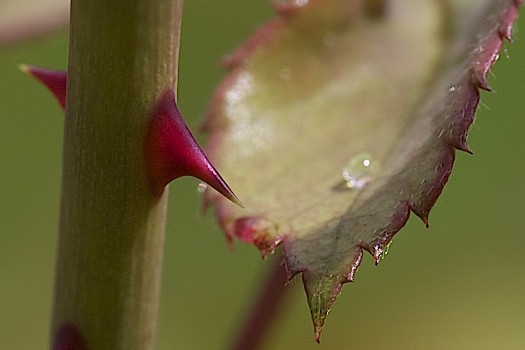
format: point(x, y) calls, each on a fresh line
point(321, 292)
point(172, 151)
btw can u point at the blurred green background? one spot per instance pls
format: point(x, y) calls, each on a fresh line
point(458, 285)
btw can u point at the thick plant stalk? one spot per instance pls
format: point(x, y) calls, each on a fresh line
point(123, 56)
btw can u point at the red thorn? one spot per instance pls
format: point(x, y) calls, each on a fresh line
point(54, 80)
point(172, 151)
point(69, 338)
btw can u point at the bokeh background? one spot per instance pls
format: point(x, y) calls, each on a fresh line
point(458, 285)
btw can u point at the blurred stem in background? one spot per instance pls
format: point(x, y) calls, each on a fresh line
point(265, 309)
point(123, 55)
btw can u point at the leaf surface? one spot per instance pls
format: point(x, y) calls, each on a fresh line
point(338, 118)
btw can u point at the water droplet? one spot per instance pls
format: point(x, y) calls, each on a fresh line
point(201, 187)
point(452, 89)
point(285, 73)
point(358, 172)
point(385, 251)
point(506, 52)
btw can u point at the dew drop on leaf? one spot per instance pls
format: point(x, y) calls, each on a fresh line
point(201, 187)
point(358, 172)
point(385, 251)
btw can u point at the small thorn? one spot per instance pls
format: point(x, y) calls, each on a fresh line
point(425, 221)
point(484, 85)
point(377, 253)
point(54, 80)
point(173, 152)
point(461, 145)
point(356, 262)
point(505, 32)
point(465, 148)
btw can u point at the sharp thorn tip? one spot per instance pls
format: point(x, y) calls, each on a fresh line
point(24, 68)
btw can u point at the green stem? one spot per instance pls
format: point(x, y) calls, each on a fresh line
point(123, 55)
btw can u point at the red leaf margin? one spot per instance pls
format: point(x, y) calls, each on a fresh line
point(244, 228)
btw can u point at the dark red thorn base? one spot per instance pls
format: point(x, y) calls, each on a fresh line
point(68, 338)
point(172, 151)
point(54, 80)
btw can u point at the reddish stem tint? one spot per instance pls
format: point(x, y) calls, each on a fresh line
point(268, 303)
point(69, 338)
